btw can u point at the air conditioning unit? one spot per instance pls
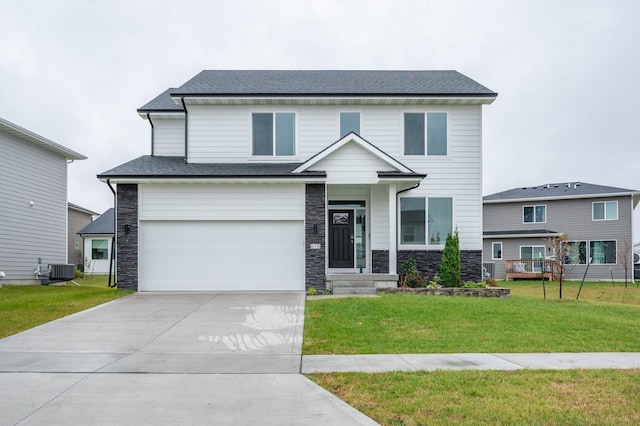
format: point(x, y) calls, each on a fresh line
point(55, 273)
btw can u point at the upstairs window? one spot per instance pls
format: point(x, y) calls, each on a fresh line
point(425, 133)
point(349, 122)
point(605, 210)
point(534, 214)
point(274, 134)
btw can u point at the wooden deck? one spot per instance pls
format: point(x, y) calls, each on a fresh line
point(528, 269)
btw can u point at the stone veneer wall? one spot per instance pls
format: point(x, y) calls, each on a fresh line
point(380, 261)
point(428, 262)
point(127, 243)
point(315, 207)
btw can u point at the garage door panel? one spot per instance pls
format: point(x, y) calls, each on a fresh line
point(221, 255)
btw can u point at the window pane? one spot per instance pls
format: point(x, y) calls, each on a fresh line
point(526, 252)
point(285, 133)
point(99, 249)
point(497, 251)
point(413, 134)
point(349, 122)
point(612, 210)
point(576, 253)
point(437, 133)
point(528, 214)
point(412, 220)
point(541, 213)
point(603, 252)
point(440, 219)
point(538, 252)
point(598, 211)
point(262, 134)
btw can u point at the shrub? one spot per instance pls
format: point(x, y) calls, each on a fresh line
point(491, 282)
point(450, 264)
point(411, 277)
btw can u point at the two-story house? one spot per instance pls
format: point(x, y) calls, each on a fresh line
point(285, 180)
point(596, 220)
point(33, 202)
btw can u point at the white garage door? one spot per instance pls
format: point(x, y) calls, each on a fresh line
point(221, 255)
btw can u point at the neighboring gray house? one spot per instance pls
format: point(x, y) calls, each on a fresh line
point(287, 180)
point(597, 220)
point(97, 238)
point(33, 207)
point(78, 218)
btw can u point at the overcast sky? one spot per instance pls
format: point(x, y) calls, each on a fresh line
point(567, 72)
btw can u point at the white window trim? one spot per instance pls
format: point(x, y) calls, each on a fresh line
point(426, 141)
point(534, 213)
point(426, 245)
point(605, 211)
point(532, 247)
point(590, 256)
point(339, 136)
point(493, 251)
point(273, 157)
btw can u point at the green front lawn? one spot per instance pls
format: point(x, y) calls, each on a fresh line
point(24, 307)
point(605, 319)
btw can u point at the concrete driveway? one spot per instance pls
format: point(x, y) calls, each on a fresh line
point(166, 359)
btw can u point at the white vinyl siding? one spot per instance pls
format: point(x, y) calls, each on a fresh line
point(31, 231)
point(351, 164)
point(221, 202)
point(222, 134)
point(168, 136)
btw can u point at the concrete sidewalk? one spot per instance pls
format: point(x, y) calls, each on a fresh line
point(433, 362)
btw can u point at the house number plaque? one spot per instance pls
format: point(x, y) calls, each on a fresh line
point(314, 246)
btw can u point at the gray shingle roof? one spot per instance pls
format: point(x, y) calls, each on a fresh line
point(557, 190)
point(174, 167)
point(331, 82)
point(161, 103)
point(320, 82)
point(103, 224)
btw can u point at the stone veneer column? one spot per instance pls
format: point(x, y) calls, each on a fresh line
point(315, 207)
point(127, 243)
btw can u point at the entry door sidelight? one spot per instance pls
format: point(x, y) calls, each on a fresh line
point(341, 238)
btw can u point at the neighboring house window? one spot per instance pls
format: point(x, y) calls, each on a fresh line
point(418, 215)
point(532, 252)
point(412, 220)
point(274, 133)
point(534, 214)
point(430, 138)
point(77, 245)
point(602, 252)
point(605, 210)
point(349, 122)
point(496, 251)
point(99, 249)
point(440, 220)
point(576, 253)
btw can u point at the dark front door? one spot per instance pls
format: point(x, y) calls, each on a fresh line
point(341, 238)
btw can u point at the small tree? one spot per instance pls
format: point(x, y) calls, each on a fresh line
point(564, 253)
point(625, 257)
point(450, 264)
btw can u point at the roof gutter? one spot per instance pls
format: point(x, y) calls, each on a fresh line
point(113, 238)
point(153, 133)
point(186, 129)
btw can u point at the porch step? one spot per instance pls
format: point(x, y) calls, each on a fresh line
point(360, 283)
